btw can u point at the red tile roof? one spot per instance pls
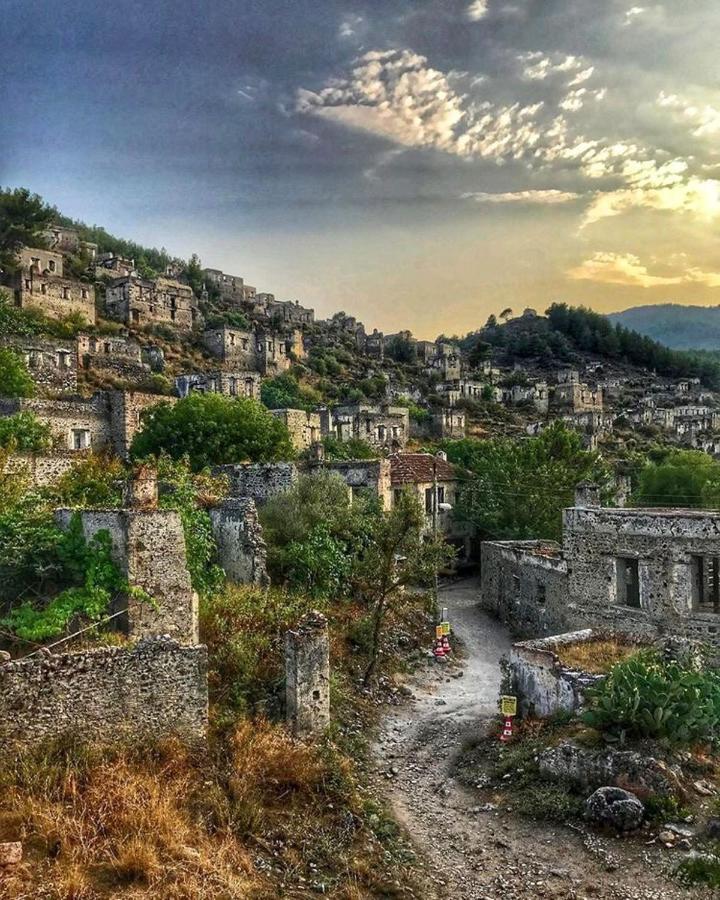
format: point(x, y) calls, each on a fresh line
point(417, 468)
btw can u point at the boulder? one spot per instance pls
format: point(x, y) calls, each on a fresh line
point(614, 807)
point(593, 768)
point(10, 853)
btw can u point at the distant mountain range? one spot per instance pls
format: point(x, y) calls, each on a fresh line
point(676, 326)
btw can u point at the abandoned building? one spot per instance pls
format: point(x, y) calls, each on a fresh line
point(39, 282)
point(434, 481)
point(646, 572)
point(577, 396)
point(375, 345)
point(384, 427)
point(260, 350)
point(114, 353)
point(290, 312)
point(231, 384)
point(231, 290)
point(107, 421)
point(304, 427)
point(110, 265)
point(53, 364)
point(460, 389)
point(62, 239)
point(139, 301)
point(448, 423)
point(447, 364)
point(360, 475)
point(536, 394)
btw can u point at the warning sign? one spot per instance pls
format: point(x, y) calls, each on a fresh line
point(445, 626)
point(508, 705)
point(438, 631)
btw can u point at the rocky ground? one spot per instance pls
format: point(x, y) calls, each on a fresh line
point(475, 850)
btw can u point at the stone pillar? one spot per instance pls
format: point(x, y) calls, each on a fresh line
point(242, 552)
point(587, 495)
point(307, 676)
point(141, 489)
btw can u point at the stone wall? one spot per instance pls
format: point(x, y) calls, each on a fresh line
point(662, 544)
point(242, 552)
point(118, 355)
point(360, 475)
point(41, 469)
point(383, 427)
point(524, 583)
point(304, 427)
point(75, 424)
point(53, 364)
point(137, 301)
point(126, 409)
point(148, 546)
point(154, 689)
point(231, 384)
point(542, 684)
point(259, 481)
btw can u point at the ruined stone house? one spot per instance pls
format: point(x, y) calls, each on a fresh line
point(260, 350)
point(116, 354)
point(52, 363)
point(448, 423)
point(39, 282)
point(290, 312)
point(138, 301)
point(232, 290)
point(231, 384)
point(446, 365)
point(577, 396)
point(360, 475)
point(110, 265)
point(62, 239)
point(646, 572)
point(384, 427)
point(304, 427)
point(375, 345)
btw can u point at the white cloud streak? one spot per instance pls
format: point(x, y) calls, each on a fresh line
point(627, 269)
point(549, 197)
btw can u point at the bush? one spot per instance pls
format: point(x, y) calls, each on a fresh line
point(95, 481)
point(647, 697)
point(24, 432)
point(355, 448)
point(15, 380)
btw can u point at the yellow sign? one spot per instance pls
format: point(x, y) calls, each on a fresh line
point(445, 626)
point(508, 705)
point(438, 631)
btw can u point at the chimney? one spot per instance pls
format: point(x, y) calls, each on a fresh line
point(587, 495)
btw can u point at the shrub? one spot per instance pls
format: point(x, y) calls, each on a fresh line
point(355, 448)
point(94, 481)
point(645, 696)
point(24, 432)
point(210, 429)
point(15, 380)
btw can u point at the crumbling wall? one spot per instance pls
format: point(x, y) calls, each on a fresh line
point(41, 469)
point(307, 676)
point(360, 475)
point(75, 424)
point(148, 546)
point(242, 552)
point(155, 689)
point(53, 364)
point(525, 584)
point(304, 427)
point(260, 481)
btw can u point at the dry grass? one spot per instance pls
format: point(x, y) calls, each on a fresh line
point(596, 657)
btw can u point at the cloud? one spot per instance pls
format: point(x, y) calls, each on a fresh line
point(627, 269)
point(395, 94)
point(634, 13)
point(704, 119)
point(550, 196)
point(538, 67)
point(350, 25)
point(477, 10)
point(618, 268)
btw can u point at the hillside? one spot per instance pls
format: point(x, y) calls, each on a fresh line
point(676, 326)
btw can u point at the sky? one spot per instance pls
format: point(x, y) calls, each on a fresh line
point(417, 163)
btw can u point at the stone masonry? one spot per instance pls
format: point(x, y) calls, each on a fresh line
point(155, 689)
point(304, 427)
point(39, 282)
point(259, 481)
point(242, 552)
point(53, 364)
point(137, 301)
point(307, 676)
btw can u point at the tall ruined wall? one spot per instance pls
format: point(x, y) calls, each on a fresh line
point(260, 481)
point(663, 542)
point(68, 419)
point(307, 676)
point(360, 475)
point(304, 427)
point(41, 469)
point(154, 689)
point(525, 587)
point(148, 546)
point(126, 408)
point(238, 534)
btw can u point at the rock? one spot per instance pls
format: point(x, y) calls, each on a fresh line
point(615, 807)
point(704, 788)
point(10, 853)
point(4, 656)
point(595, 768)
point(666, 837)
point(712, 828)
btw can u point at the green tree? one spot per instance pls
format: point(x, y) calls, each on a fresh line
point(517, 489)
point(399, 555)
point(687, 478)
point(194, 274)
point(286, 392)
point(15, 380)
point(23, 431)
point(210, 430)
point(355, 448)
point(24, 218)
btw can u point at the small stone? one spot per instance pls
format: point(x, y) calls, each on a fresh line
point(667, 837)
point(4, 656)
point(704, 788)
point(10, 853)
point(615, 807)
point(712, 828)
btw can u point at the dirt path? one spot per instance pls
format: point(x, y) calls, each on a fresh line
point(475, 853)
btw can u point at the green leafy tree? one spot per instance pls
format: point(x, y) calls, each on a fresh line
point(355, 448)
point(25, 432)
point(688, 478)
point(286, 392)
point(15, 380)
point(210, 429)
point(95, 481)
point(398, 555)
point(517, 489)
point(24, 217)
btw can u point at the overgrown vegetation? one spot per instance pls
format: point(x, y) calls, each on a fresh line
point(15, 380)
point(24, 432)
point(595, 656)
point(647, 696)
